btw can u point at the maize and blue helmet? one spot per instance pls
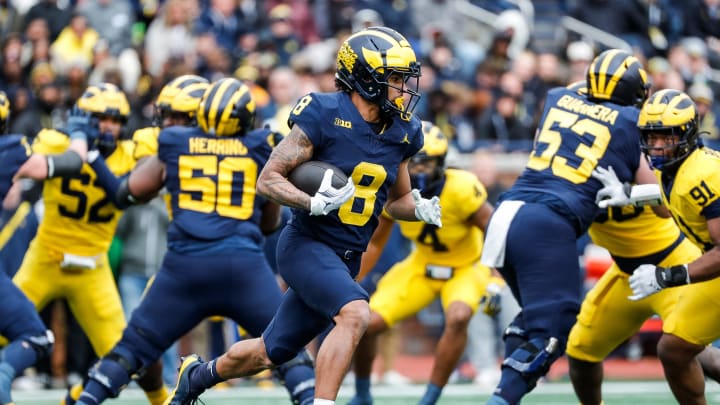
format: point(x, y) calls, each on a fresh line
point(618, 77)
point(4, 112)
point(435, 149)
point(181, 98)
point(669, 113)
point(226, 108)
point(368, 58)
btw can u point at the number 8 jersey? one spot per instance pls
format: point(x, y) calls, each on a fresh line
point(341, 137)
point(79, 217)
point(574, 137)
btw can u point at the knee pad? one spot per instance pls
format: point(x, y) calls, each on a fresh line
point(42, 343)
point(533, 358)
point(114, 371)
point(297, 375)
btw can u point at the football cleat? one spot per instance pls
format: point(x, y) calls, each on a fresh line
point(182, 394)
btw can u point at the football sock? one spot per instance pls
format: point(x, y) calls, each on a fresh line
point(300, 383)
point(204, 377)
point(158, 396)
point(19, 355)
point(496, 400)
point(432, 394)
point(512, 386)
point(362, 387)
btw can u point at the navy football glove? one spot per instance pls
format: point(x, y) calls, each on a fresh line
point(82, 125)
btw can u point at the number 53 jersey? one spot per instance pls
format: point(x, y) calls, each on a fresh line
point(79, 216)
point(574, 137)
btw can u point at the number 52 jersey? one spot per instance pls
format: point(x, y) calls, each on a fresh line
point(79, 216)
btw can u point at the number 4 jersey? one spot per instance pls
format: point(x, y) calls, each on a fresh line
point(211, 181)
point(575, 136)
point(79, 217)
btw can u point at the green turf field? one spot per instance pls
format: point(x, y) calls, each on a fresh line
point(616, 393)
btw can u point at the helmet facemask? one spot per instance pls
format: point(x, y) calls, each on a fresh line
point(425, 171)
point(676, 146)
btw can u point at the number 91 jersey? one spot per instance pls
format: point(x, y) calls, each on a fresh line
point(576, 135)
point(341, 136)
point(79, 216)
point(211, 181)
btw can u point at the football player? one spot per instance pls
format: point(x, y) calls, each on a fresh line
point(29, 339)
point(214, 240)
point(68, 256)
point(368, 131)
point(632, 234)
point(444, 263)
point(176, 104)
point(687, 172)
point(531, 238)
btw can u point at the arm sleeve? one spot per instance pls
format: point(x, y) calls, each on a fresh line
point(110, 183)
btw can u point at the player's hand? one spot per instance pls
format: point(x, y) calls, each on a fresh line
point(426, 210)
point(614, 193)
point(329, 198)
point(648, 279)
point(80, 124)
point(491, 302)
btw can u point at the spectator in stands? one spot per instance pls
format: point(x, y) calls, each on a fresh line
point(170, 36)
point(57, 19)
point(621, 18)
point(46, 111)
point(283, 89)
point(10, 19)
point(74, 45)
point(506, 123)
point(579, 55)
point(113, 20)
point(703, 97)
point(279, 37)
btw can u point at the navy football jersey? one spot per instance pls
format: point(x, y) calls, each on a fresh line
point(575, 136)
point(341, 136)
point(14, 151)
point(211, 181)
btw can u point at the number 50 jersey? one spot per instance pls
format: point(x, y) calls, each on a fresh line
point(211, 181)
point(575, 136)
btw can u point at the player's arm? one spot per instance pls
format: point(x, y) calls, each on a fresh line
point(270, 220)
point(144, 182)
point(273, 181)
point(408, 205)
point(645, 175)
point(47, 166)
point(400, 204)
point(375, 247)
point(481, 217)
point(648, 279)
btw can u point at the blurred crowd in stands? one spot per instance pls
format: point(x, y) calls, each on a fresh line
point(486, 64)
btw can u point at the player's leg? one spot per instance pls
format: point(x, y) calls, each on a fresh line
point(606, 319)
point(95, 302)
point(402, 291)
point(29, 339)
point(258, 289)
point(460, 297)
point(540, 253)
point(686, 334)
point(309, 267)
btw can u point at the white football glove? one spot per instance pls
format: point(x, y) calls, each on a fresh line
point(329, 198)
point(426, 210)
point(615, 193)
point(648, 279)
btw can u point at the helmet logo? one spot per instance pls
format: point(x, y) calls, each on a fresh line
point(346, 57)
